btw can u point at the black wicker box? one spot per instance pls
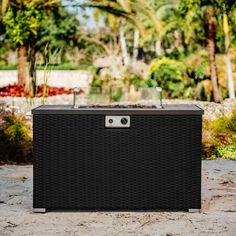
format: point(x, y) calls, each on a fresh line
point(83, 162)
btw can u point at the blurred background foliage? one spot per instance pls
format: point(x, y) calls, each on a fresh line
point(188, 47)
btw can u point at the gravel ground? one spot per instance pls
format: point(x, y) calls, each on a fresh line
point(218, 215)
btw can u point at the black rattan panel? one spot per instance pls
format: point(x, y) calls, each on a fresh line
point(79, 164)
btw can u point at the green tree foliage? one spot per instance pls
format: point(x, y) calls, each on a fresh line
point(167, 73)
point(22, 20)
point(23, 26)
point(31, 25)
point(59, 31)
point(200, 15)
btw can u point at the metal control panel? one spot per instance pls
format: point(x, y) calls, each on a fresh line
point(117, 121)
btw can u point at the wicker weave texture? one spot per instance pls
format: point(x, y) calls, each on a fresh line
point(79, 164)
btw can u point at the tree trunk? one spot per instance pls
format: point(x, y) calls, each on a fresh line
point(182, 37)
point(211, 33)
point(22, 66)
point(179, 41)
point(230, 78)
point(158, 48)
point(136, 43)
point(123, 45)
point(32, 69)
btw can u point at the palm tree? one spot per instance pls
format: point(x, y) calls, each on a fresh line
point(211, 45)
point(198, 19)
point(216, 11)
point(192, 18)
point(220, 11)
point(230, 78)
point(225, 7)
point(135, 12)
point(15, 13)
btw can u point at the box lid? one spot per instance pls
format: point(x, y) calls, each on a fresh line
point(179, 109)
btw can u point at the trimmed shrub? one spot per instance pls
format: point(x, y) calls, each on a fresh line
point(219, 138)
point(15, 140)
point(169, 74)
point(166, 72)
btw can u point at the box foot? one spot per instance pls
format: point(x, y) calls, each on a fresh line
point(194, 210)
point(39, 210)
